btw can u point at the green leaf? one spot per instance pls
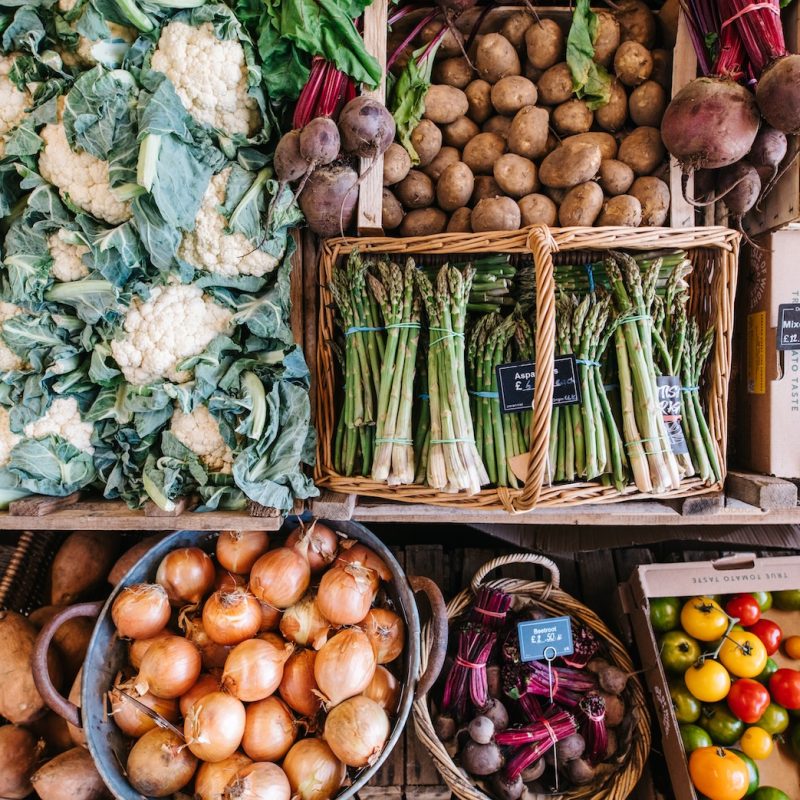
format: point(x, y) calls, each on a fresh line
point(590, 81)
point(51, 466)
point(92, 299)
point(407, 102)
point(25, 32)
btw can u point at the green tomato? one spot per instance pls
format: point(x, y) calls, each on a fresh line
point(787, 599)
point(752, 768)
point(769, 668)
point(724, 727)
point(687, 707)
point(774, 720)
point(665, 613)
point(678, 651)
point(769, 793)
point(764, 600)
point(694, 737)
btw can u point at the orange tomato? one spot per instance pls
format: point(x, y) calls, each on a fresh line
point(791, 646)
point(719, 774)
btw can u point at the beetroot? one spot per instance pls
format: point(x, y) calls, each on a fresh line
point(744, 188)
point(320, 142)
point(329, 198)
point(367, 128)
point(778, 94)
point(289, 164)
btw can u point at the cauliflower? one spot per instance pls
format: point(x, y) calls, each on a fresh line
point(175, 323)
point(81, 176)
point(8, 439)
point(67, 257)
point(13, 102)
point(208, 247)
point(199, 431)
point(9, 360)
point(63, 419)
point(209, 75)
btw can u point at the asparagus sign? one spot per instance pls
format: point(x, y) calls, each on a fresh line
point(669, 398)
point(516, 382)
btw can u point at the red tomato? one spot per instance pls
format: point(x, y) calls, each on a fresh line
point(784, 686)
point(748, 700)
point(769, 633)
point(745, 608)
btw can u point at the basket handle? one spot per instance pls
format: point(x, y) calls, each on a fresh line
point(439, 632)
point(41, 675)
point(517, 558)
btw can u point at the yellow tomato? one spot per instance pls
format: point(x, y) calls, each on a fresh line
point(704, 619)
point(708, 681)
point(756, 743)
point(719, 774)
point(791, 646)
point(743, 654)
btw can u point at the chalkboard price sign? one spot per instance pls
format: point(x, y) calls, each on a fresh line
point(516, 382)
point(789, 326)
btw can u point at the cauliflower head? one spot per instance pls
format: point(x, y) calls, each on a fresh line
point(9, 360)
point(67, 257)
point(199, 431)
point(209, 75)
point(209, 248)
point(81, 176)
point(63, 419)
point(176, 322)
point(13, 102)
point(8, 439)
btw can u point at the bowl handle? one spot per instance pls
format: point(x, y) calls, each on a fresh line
point(439, 632)
point(41, 675)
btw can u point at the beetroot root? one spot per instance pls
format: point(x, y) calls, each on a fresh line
point(329, 199)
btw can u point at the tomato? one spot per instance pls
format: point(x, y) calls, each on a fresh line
point(743, 654)
point(707, 680)
point(774, 720)
point(678, 651)
point(745, 608)
point(719, 774)
point(704, 619)
point(757, 743)
point(791, 647)
point(723, 727)
point(764, 600)
point(693, 737)
point(769, 633)
point(748, 700)
point(787, 600)
point(784, 686)
point(769, 793)
point(769, 670)
point(686, 705)
point(752, 769)
point(665, 613)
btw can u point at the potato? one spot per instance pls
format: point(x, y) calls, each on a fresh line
point(453, 72)
point(605, 141)
point(445, 157)
point(544, 41)
point(574, 116)
point(133, 554)
point(615, 177)
point(530, 72)
point(515, 26)
point(396, 164)
point(529, 131)
point(614, 114)
point(662, 68)
point(623, 210)
point(496, 58)
point(581, 205)
point(552, 143)
point(636, 22)
point(647, 104)
point(556, 195)
point(570, 164)
point(415, 190)
point(426, 139)
point(479, 100)
point(653, 194)
point(633, 63)
point(458, 133)
point(555, 86)
point(81, 565)
point(393, 212)
point(454, 187)
point(668, 21)
point(423, 222)
point(642, 150)
point(460, 221)
point(20, 752)
point(444, 104)
point(511, 94)
point(607, 38)
point(485, 186)
point(537, 209)
point(516, 175)
point(69, 775)
point(449, 45)
point(481, 152)
point(496, 214)
point(499, 125)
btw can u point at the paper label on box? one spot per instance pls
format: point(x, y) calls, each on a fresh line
point(757, 352)
point(789, 326)
point(669, 399)
point(545, 638)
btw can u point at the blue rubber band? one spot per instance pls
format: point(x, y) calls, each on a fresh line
point(407, 442)
point(448, 334)
point(610, 387)
point(690, 388)
point(588, 363)
point(636, 318)
point(590, 275)
point(361, 329)
point(423, 397)
point(452, 441)
point(410, 325)
point(642, 441)
point(490, 395)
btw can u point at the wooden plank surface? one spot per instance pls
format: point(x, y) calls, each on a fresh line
point(763, 491)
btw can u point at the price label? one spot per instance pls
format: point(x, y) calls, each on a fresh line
point(669, 400)
point(545, 639)
point(789, 326)
point(516, 382)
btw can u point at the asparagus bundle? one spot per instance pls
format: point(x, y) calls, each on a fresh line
point(422, 430)
point(493, 285)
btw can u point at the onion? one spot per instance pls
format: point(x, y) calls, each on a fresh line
point(273, 638)
point(169, 668)
point(187, 574)
point(131, 720)
point(280, 577)
point(226, 581)
point(213, 654)
point(262, 781)
point(298, 686)
point(140, 611)
point(254, 669)
point(139, 647)
point(384, 689)
point(214, 726)
point(304, 624)
point(212, 779)
point(345, 593)
point(323, 544)
point(356, 731)
point(313, 770)
point(386, 631)
point(237, 551)
point(231, 617)
point(270, 617)
point(353, 552)
point(160, 764)
point(270, 730)
point(345, 665)
point(204, 685)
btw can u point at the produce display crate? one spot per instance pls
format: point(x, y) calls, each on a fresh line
point(714, 253)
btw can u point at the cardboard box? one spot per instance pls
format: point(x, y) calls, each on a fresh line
point(769, 418)
point(742, 572)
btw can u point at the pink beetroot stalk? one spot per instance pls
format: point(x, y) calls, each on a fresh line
point(760, 28)
point(593, 709)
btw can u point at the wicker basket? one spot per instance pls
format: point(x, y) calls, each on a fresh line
point(714, 252)
point(23, 570)
point(614, 786)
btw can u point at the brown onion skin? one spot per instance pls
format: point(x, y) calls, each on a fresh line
point(358, 553)
point(231, 617)
point(237, 551)
point(211, 780)
point(175, 654)
point(222, 714)
point(19, 755)
point(204, 685)
point(346, 593)
point(384, 689)
point(345, 665)
point(323, 545)
point(304, 624)
point(280, 577)
point(386, 631)
point(270, 618)
point(213, 654)
point(254, 669)
point(138, 647)
point(298, 686)
point(270, 730)
point(226, 581)
point(302, 767)
point(132, 721)
point(356, 730)
point(140, 611)
point(160, 764)
point(260, 781)
point(187, 574)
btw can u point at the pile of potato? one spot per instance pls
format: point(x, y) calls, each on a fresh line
point(504, 142)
